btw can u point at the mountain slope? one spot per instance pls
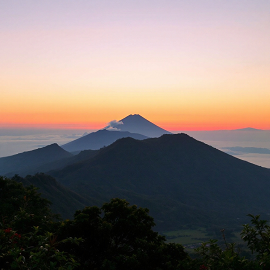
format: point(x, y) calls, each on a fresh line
point(99, 139)
point(61, 163)
point(30, 159)
point(181, 180)
point(64, 201)
point(137, 124)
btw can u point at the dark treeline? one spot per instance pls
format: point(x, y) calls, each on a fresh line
point(116, 235)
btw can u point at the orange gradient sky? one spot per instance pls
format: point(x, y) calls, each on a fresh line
point(184, 65)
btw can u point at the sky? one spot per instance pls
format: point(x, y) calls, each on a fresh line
point(183, 65)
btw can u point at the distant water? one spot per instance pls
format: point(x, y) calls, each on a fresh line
point(14, 141)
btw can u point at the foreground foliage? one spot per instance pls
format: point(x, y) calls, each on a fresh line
point(28, 230)
point(119, 236)
point(257, 236)
point(115, 236)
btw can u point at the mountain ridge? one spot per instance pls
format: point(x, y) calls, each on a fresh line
point(29, 159)
point(181, 180)
point(99, 139)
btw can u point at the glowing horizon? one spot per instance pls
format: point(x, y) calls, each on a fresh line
point(170, 126)
point(183, 65)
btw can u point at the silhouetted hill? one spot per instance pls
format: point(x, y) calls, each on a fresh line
point(99, 139)
point(64, 201)
point(181, 180)
point(54, 165)
point(248, 129)
point(26, 161)
point(137, 124)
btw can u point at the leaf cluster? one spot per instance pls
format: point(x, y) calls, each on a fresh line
point(28, 230)
point(119, 236)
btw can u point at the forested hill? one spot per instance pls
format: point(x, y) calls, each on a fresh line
point(180, 179)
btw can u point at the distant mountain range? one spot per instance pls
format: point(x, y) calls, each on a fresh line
point(181, 180)
point(99, 139)
point(54, 157)
point(133, 126)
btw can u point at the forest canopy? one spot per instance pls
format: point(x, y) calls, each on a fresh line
point(116, 235)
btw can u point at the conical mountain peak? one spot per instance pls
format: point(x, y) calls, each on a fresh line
point(135, 123)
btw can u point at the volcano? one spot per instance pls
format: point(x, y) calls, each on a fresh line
point(135, 123)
